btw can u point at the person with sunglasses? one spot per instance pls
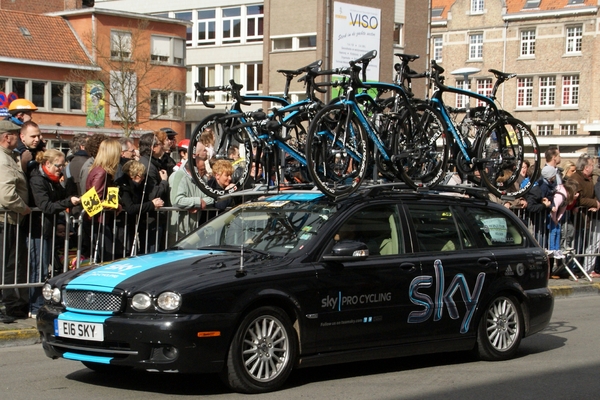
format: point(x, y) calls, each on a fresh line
point(49, 195)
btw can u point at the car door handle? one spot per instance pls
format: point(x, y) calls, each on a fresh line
point(407, 267)
point(487, 262)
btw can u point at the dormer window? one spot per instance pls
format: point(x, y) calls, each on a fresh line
point(531, 4)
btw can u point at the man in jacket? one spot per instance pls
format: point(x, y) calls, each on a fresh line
point(14, 197)
point(588, 204)
point(186, 195)
point(31, 142)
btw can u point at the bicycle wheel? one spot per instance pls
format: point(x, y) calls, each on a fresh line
point(424, 160)
point(500, 153)
point(533, 154)
point(225, 138)
point(337, 151)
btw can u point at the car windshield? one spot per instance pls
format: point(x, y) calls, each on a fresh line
point(281, 227)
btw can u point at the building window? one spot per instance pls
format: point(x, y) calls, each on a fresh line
point(120, 45)
point(186, 16)
point(167, 50)
point(531, 4)
point(166, 104)
point(476, 6)
point(568, 130)
point(545, 130)
point(461, 99)
point(161, 48)
point(230, 72)
point(574, 37)
point(283, 44)
point(178, 105)
point(437, 12)
point(206, 27)
point(437, 48)
point(254, 23)
point(46, 95)
point(570, 90)
point(484, 87)
point(75, 97)
point(57, 94)
point(232, 25)
point(547, 90)
point(524, 92)
point(528, 42)
point(253, 78)
point(19, 88)
point(206, 77)
point(294, 43)
point(38, 94)
point(476, 46)
point(307, 42)
point(159, 103)
point(398, 29)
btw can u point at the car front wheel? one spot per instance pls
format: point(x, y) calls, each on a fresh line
point(262, 352)
point(500, 329)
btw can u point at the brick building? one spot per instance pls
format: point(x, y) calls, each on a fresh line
point(47, 57)
point(550, 44)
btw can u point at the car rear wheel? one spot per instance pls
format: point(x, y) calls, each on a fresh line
point(500, 329)
point(262, 352)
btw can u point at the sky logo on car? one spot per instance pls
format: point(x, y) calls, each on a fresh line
point(107, 277)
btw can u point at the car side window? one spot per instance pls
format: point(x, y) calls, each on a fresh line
point(438, 229)
point(377, 226)
point(495, 228)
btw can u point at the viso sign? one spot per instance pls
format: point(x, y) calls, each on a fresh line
point(356, 31)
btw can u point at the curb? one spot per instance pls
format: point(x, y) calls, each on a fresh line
point(575, 291)
point(21, 337)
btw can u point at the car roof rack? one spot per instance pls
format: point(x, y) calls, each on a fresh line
point(401, 187)
point(368, 190)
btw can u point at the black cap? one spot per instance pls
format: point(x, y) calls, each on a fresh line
point(169, 131)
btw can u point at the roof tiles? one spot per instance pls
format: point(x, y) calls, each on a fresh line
point(40, 38)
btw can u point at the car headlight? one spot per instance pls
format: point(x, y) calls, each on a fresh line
point(47, 292)
point(169, 301)
point(51, 294)
point(56, 295)
point(141, 302)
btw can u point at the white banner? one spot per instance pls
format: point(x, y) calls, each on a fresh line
point(356, 31)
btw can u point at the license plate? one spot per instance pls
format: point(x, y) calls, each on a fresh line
point(79, 330)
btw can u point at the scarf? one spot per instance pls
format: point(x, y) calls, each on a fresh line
point(52, 177)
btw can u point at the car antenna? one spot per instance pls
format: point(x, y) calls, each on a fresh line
point(240, 271)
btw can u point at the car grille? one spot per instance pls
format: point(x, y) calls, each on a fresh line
point(92, 300)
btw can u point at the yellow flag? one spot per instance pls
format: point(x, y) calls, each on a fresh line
point(91, 202)
point(112, 198)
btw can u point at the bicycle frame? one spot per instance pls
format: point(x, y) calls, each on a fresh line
point(437, 101)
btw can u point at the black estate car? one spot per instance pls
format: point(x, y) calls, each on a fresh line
point(295, 280)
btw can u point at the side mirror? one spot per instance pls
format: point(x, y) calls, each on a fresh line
point(348, 250)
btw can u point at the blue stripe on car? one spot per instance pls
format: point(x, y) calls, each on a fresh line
point(83, 357)
point(296, 197)
point(107, 277)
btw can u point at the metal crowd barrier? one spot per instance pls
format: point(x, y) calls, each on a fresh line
point(116, 238)
point(577, 236)
point(75, 240)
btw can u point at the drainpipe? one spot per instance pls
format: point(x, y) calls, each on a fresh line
point(504, 57)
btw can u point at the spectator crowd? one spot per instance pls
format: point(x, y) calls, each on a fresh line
point(149, 179)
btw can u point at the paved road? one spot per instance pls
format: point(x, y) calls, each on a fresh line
point(563, 362)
